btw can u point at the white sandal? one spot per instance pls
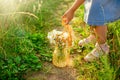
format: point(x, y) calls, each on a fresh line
point(87, 40)
point(97, 52)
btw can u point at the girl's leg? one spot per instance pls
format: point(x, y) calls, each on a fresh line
point(101, 47)
point(101, 34)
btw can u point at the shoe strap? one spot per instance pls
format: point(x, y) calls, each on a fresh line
point(103, 47)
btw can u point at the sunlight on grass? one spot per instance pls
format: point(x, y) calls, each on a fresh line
point(24, 25)
point(11, 7)
point(7, 6)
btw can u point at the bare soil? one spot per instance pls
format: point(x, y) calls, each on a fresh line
point(51, 72)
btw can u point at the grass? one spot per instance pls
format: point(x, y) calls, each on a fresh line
point(24, 46)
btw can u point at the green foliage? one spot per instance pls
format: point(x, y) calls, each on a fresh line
point(23, 43)
point(107, 72)
point(41, 46)
point(17, 55)
point(21, 51)
point(114, 41)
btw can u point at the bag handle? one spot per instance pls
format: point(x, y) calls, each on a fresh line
point(67, 28)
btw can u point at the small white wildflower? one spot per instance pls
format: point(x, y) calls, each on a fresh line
point(65, 35)
point(51, 37)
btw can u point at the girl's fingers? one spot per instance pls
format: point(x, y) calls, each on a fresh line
point(65, 20)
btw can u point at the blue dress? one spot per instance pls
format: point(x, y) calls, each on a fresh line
point(100, 12)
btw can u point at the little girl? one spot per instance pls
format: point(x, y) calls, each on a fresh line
point(97, 14)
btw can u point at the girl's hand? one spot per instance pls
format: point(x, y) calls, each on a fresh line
point(68, 15)
point(70, 12)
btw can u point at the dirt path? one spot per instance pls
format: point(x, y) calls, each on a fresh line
point(50, 72)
